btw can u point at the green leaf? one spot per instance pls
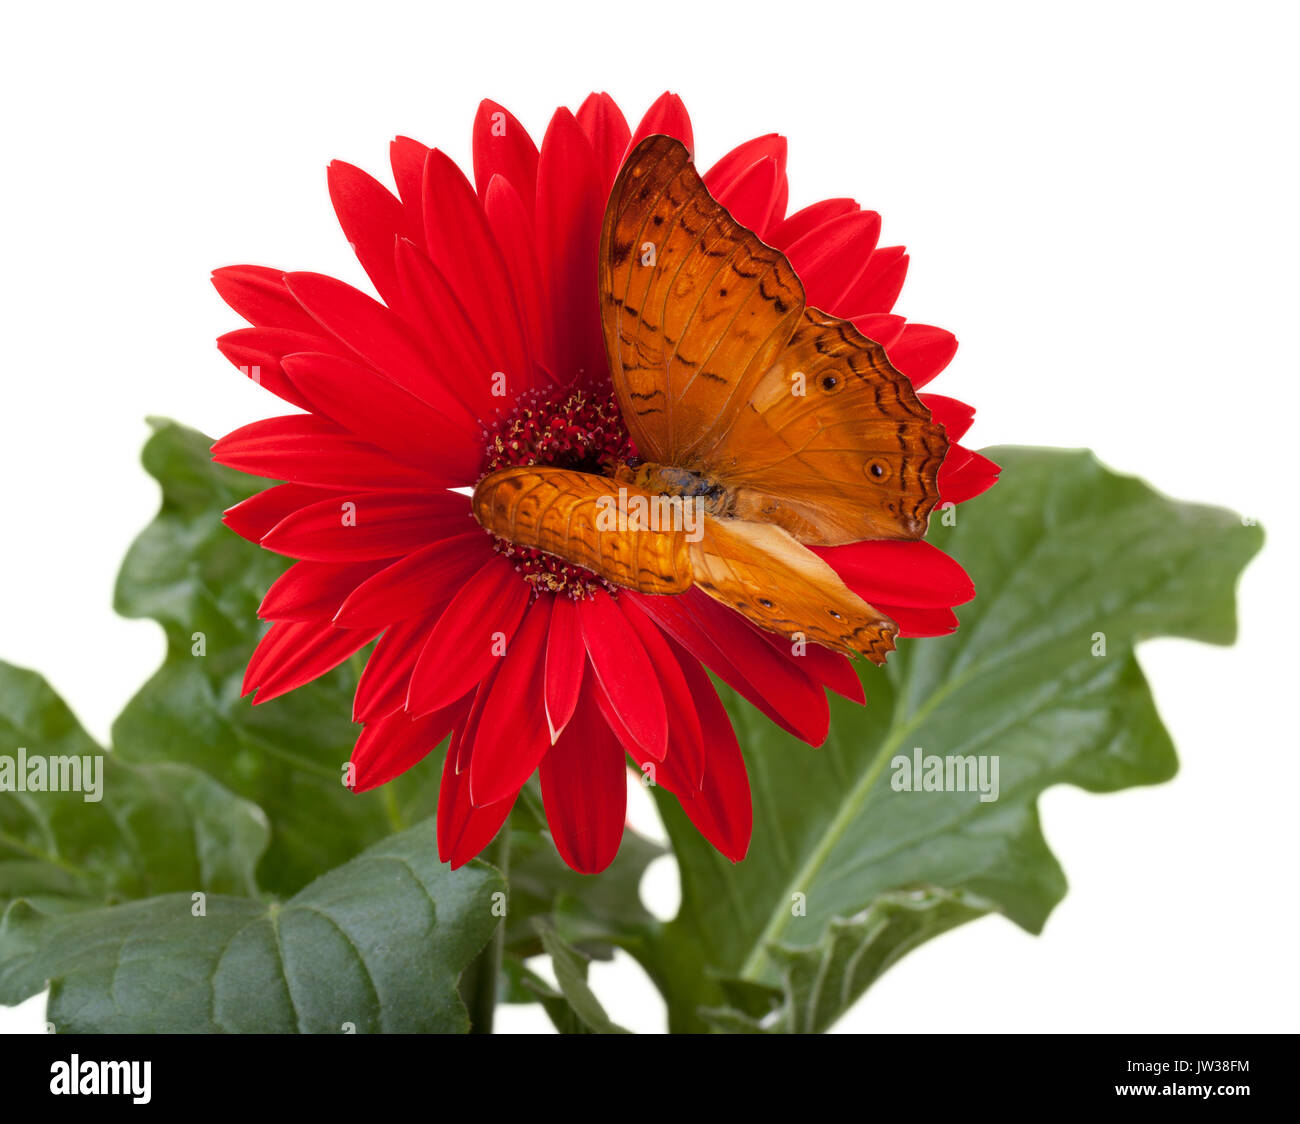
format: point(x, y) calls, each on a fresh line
point(203, 584)
point(154, 828)
point(574, 1009)
point(820, 982)
point(1064, 554)
point(375, 946)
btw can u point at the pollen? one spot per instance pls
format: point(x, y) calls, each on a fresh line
point(578, 429)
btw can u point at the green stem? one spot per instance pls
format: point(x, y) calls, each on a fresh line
point(481, 979)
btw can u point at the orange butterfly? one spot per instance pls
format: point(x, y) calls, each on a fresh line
point(762, 425)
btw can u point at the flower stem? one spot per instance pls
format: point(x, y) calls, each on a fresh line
point(478, 987)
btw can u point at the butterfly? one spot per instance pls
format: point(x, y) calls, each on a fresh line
point(771, 425)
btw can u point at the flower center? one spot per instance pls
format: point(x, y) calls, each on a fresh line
point(567, 428)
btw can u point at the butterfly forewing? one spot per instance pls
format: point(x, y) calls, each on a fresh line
point(694, 307)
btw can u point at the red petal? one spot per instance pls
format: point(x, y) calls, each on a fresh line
point(461, 649)
point(679, 772)
point(685, 737)
point(378, 336)
point(750, 182)
point(305, 449)
point(369, 525)
point(922, 351)
point(618, 727)
point(372, 219)
point(789, 231)
point(384, 415)
point(883, 327)
point(719, 806)
point(779, 205)
point(899, 573)
point(513, 230)
point(256, 515)
point(566, 656)
point(419, 583)
point(407, 157)
point(958, 455)
point(570, 206)
point(723, 641)
point(954, 416)
point(390, 746)
point(446, 331)
point(512, 735)
point(967, 479)
point(463, 830)
point(624, 672)
point(831, 258)
point(584, 789)
point(502, 147)
point(825, 666)
point(462, 248)
point(741, 159)
point(880, 283)
point(295, 652)
point(722, 811)
point(914, 622)
point(667, 117)
point(313, 590)
point(606, 129)
point(387, 676)
point(257, 354)
point(750, 197)
point(464, 745)
point(260, 296)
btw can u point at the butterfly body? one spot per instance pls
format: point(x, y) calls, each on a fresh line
point(771, 425)
point(712, 496)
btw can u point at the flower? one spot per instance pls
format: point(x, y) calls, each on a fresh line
point(527, 663)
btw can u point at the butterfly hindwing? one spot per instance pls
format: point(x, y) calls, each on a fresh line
point(834, 444)
point(722, 371)
point(575, 516)
point(765, 574)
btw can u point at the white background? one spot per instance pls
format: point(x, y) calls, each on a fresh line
point(1100, 200)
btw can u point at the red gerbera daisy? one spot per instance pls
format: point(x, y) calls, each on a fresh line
point(527, 662)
